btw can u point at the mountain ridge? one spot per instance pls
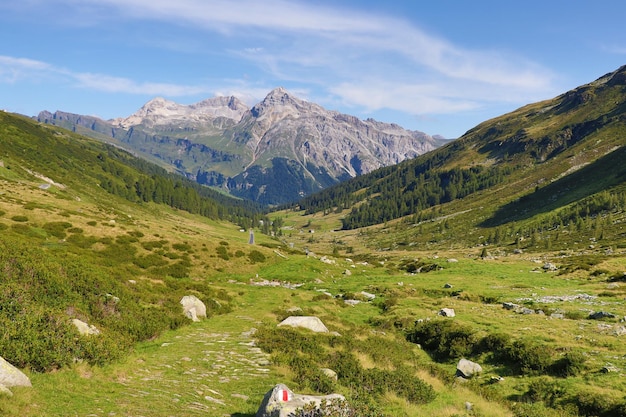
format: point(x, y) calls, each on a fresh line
point(279, 150)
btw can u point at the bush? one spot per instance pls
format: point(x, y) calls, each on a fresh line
point(256, 257)
point(444, 339)
point(571, 364)
point(20, 219)
point(529, 357)
point(57, 229)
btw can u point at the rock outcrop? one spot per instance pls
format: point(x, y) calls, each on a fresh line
point(280, 401)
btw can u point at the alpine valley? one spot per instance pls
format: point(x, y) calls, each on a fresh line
point(278, 151)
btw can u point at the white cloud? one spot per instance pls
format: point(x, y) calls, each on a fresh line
point(13, 69)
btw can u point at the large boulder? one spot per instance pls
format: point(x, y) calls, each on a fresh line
point(308, 322)
point(467, 369)
point(280, 401)
point(193, 307)
point(10, 376)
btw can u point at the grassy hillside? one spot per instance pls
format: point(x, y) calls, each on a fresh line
point(534, 174)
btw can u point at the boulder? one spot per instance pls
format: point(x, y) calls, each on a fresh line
point(447, 312)
point(467, 369)
point(307, 322)
point(598, 315)
point(84, 328)
point(10, 376)
point(193, 307)
point(280, 401)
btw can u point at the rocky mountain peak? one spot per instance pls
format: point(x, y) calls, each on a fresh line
point(160, 111)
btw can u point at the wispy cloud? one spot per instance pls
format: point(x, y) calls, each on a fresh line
point(364, 59)
point(13, 69)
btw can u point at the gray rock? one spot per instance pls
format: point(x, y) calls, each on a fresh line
point(10, 376)
point(447, 286)
point(447, 312)
point(549, 266)
point(193, 307)
point(280, 401)
point(467, 369)
point(510, 306)
point(307, 322)
point(597, 315)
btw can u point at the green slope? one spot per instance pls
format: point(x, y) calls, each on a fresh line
point(545, 165)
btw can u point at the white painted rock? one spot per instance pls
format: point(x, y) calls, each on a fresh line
point(280, 401)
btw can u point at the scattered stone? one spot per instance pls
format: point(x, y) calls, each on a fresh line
point(308, 322)
point(280, 401)
point(517, 251)
point(549, 266)
point(10, 376)
point(347, 272)
point(368, 295)
point(447, 312)
point(447, 286)
point(597, 315)
point(327, 260)
point(526, 310)
point(467, 369)
point(496, 379)
point(557, 316)
point(468, 406)
point(293, 310)
point(609, 368)
point(84, 328)
point(193, 308)
point(352, 302)
point(510, 306)
point(452, 260)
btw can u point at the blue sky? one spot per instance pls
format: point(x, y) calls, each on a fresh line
point(440, 66)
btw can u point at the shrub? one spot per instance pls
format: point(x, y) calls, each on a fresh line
point(57, 229)
point(444, 339)
point(571, 364)
point(545, 390)
point(222, 253)
point(529, 356)
point(256, 257)
point(20, 219)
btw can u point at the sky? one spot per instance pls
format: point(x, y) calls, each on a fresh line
point(440, 67)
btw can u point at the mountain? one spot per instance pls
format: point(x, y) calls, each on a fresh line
point(281, 149)
point(539, 170)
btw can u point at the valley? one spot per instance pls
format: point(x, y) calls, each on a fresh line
point(505, 247)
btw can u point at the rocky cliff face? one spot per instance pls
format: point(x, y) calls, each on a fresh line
point(279, 150)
